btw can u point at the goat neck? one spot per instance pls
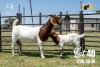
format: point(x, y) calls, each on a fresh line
point(45, 30)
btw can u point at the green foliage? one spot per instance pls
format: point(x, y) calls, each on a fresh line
point(9, 22)
point(97, 11)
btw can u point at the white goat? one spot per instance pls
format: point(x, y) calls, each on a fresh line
point(35, 34)
point(25, 33)
point(69, 39)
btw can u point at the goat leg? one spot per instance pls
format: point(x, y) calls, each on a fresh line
point(19, 44)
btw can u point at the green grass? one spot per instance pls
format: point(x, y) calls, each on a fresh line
point(33, 59)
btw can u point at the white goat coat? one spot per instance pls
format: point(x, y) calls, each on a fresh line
point(26, 33)
point(70, 39)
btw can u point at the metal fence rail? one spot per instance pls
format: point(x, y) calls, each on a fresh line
point(81, 30)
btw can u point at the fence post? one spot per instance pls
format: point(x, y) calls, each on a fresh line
point(67, 23)
point(23, 15)
point(61, 24)
point(40, 14)
point(82, 43)
point(0, 35)
point(19, 17)
point(99, 26)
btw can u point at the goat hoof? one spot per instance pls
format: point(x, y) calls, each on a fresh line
point(43, 57)
point(60, 55)
point(13, 54)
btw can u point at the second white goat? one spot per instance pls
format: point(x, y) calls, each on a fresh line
point(69, 39)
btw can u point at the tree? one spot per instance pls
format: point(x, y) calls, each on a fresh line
point(97, 11)
point(9, 22)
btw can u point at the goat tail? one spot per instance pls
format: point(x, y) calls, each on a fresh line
point(15, 22)
point(82, 35)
